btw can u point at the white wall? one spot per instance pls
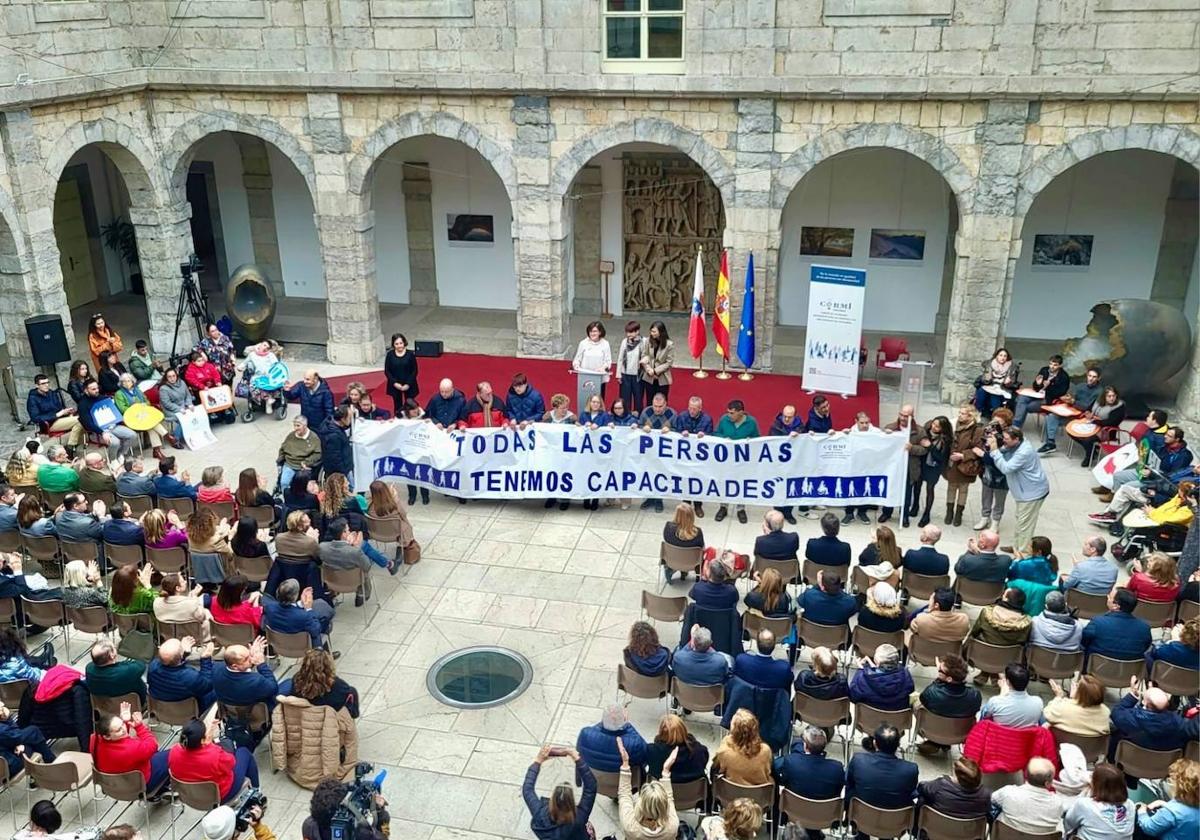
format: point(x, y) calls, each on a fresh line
point(864, 189)
point(476, 276)
point(1119, 199)
point(222, 151)
point(299, 249)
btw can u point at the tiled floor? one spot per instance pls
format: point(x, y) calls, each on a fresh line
point(560, 587)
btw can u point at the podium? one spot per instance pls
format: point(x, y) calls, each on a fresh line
point(912, 382)
point(586, 384)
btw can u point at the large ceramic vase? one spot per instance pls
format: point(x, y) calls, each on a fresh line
point(1137, 344)
point(250, 302)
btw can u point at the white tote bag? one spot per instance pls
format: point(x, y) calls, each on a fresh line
point(196, 432)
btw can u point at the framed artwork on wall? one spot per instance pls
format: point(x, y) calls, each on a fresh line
point(470, 229)
point(826, 242)
point(893, 244)
point(1062, 250)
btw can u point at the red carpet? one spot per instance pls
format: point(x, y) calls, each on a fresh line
point(764, 396)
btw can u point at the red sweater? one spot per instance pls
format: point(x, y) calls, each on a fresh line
point(131, 753)
point(208, 763)
point(202, 376)
point(243, 613)
point(1145, 587)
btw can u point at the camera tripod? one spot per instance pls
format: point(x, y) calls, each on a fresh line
point(193, 303)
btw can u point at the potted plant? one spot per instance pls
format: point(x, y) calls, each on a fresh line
point(121, 236)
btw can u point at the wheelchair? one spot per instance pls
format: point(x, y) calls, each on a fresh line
point(271, 383)
point(1133, 542)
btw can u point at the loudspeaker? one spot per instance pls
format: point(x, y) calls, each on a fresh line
point(428, 349)
point(47, 340)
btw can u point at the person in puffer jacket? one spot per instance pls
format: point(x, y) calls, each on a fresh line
point(1002, 623)
point(1055, 628)
point(882, 682)
point(525, 403)
point(598, 743)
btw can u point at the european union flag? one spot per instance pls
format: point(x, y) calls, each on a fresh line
point(745, 345)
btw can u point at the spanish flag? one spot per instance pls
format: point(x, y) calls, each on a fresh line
point(720, 326)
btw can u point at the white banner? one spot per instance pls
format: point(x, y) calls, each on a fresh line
point(1109, 465)
point(833, 331)
point(572, 462)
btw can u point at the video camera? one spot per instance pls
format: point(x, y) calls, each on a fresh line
point(359, 806)
point(254, 798)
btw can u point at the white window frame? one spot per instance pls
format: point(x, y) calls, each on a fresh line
point(642, 64)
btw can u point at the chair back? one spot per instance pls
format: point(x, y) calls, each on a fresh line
point(824, 713)
point(927, 652)
point(1115, 673)
point(865, 640)
point(264, 515)
point(137, 504)
point(202, 796)
point(789, 570)
point(208, 567)
point(342, 581)
point(979, 593)
point(227, 635)
point(943, 730)
point(1173, 679)
point(84, 550)
point(920, 587)
point(180, 629)
point(174, 712)
point(46, 613)
point(690, 795)
point(1143, 763)
point(868, 718)
point(53, 498)
point(66, 773)
point(753, 621)
point(124, 555)
point(127, 623)
point(607, 780)
point(168, 560)
point(697, 698)
point(102, 705)
point(992, 659)
point(859, 581)
point(679, 559)
point(123, 787)
point(8, 610)
point(94, 620)
point(1187, 611)
point(43, 549)
point(725, 791)
point(10, 541)
point(832, 636)
point(252, 568)
point(183, 506)
point(893, 348)
point(385, 529)
point(290, 645)
point(639, 685)
point(1155, 613)
point(809, 570)
point(662, 607)
point(1192, 751)
point(256, 716)
point(223, 510)
point(1085, 605)
point(813, 814)
point(12, 692)
point(107, 496)
point(1003, 831)
point(1093, 747)
point(879, 822)
point(939, 826)
point(1053, 664)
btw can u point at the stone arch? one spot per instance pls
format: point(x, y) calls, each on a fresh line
point(180, 148)
point(917, 143)
point(139, 167)
point(643, 130)
point(435, 124)
point(1168, 139)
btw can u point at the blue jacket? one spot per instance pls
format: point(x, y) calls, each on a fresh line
point(179, 682)
point(1023, 468)
point(245, 688)
point(778, 545)
point(817, 423)
point(598, 747)
point(709, 668)
point(446, 412)
point(887, 690)
point(714, 596)
point(823, 608)
point(772, 707)
point(170, 487)
point(828, 551)
point(926, 560)
point(1175, 463)
point(316, 405)
point(648, 666)
point(685, 422)
point(984, 567)
point(881, 780)
point(136, 484)
point(600, 418)
point(527, 407)
point(725, 626)
point(763, 671)
point(1176, 653)
point(123, 532)
point(1117, 634)
point(8, 518)
point(1131, 721)
point(781, 427)
point(43, 408)
point(292, 618)
point(336, 453)
point(542, 826)
point(810, 776)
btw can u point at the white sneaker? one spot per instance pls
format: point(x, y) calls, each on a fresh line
point(983, 523)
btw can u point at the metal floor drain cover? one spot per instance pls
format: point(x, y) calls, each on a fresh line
point(479, 677)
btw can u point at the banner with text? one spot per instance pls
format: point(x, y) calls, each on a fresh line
point(833, 332)
point(573, 462)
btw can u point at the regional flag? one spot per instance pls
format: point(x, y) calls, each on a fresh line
point(697, 339)
point(721, 308)
point(745, 347)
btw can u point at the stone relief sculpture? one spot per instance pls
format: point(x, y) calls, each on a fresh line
point(671, 206)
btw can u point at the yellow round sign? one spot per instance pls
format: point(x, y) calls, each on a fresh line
point(142, 417)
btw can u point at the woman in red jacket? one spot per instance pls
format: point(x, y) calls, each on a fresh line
point(125, 743)
point(201, 374)
point(198, 758)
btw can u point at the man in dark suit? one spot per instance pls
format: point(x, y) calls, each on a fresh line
point(170, 678)
point(1118, 633)
point(776, 543)
point(760, 667)
point(878, 777)
point(982, 563)
point(1146, 719)
point(827, 549)
point(806, 772)
point(244, 678)
point(927, 560)
point(121, 529)
point(167, 486)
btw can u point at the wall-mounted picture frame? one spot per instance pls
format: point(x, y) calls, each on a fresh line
point(826, 242)
point(895, 244)
point(470, 229)
point(1062, 250)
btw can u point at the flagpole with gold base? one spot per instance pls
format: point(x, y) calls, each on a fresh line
point(700, 372)
point(724, 374)
point(746, 375)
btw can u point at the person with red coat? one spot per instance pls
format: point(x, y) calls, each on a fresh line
point(484, 411)
point(199, 758)
point(201, 374)
point(125, 743)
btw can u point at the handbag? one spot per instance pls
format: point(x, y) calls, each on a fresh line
point(412, 553)
point(137, 644)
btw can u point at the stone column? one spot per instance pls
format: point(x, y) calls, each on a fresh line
point(1177, 246)
point(164, 238)
point(589, 297)
point(542, 318)
point(986, 250)
point(418, 217)
point(260, 200)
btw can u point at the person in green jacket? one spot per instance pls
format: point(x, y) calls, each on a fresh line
point(106, 677)
point(141, 363)
point(60, 475)
point(128, 395)
point(736, 425)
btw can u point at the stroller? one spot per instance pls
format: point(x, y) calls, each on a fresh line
point(262, 381)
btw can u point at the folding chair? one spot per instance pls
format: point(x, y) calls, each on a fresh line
point(1156, 613)
point(1086, 605)
point(180, 629)
point(102, 705)
point(12, 692)
point(200, 796)
point(724, 792)
point(137, 504)
point(879, 822)
point(868, 718)
point(1003, 831)
point(45, 551)
point(939, 826)
point(94, 620)
point(663, 608)
point(679, 559)
point(833, 636)
point(1143, 763)
point(168, 561)
point(85, 551)
point(865, 640)
point(68, 773)
point(227, 635)
point(1093, 747)
point(386, 530)
point(10, 542)
point(697, 698)
point(1114, 673)
point(926, 652)
point(1053, 664)
point(223, 510)
point(174, 713)
point(992, 659)
point(264, 515)
point(123, 555)
point(129, 787)
point(947, 731)
point(1182, 682)
point(978, 593)
point(51, 613)
point(812, 814)
point(789, 570)
point(348, 582)
point(288, 645)
point(183, 506)
point(920, 587)
point(639, 685)
point(255, 569)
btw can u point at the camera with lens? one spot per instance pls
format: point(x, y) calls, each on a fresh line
point(255, 798)
point(192, 267)
point(359, 807)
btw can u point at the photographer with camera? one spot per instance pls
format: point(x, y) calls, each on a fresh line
point(224, 823)
point(333, 806)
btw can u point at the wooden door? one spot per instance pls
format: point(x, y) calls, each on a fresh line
point(74, 250)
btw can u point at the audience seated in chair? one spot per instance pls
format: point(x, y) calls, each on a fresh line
point(823, 681)
point(296, 611)
point(557, 817)
point(1032, 807)
point(123, 743)
point(962, 796)
point(826, 603)
point(83, 585)
point(176, 604)
point(776, 543)
point(927, 560)
point(1104, 811)
point(168, 486)
point(698, 662)
point(770, 596)
point(760, 668)
point(1118, 633)
point(981, 562)
point(743, 757)
point(806, 771)
point(170, 677)
point(163, 530)
point(1144, 717)
point(317, 682)
point(949, 696)
point(877, 776)
point(827, 549)
point(691, 760)
point(1055, 628)
point(1002, 623)
point(882, 681)
point(1095, 574)
point(715, 591)
point(598, 743)
point(1178, 819)
point(109, 677)
point(643, 654)
point(1183, 650)
point(938, 621)
point(16, 740)
point(199, 758)
point(120, 528)
point(245, 678)
point(234, 604)
point(881, 611)
point(133, 480)
point(1013, 706)
point(1082, 712)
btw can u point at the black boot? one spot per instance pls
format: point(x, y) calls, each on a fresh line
point(949, 514)
point(958, 512)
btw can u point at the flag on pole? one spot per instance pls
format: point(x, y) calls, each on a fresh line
point(720, 326)
point(697, 329)
point(745, 345)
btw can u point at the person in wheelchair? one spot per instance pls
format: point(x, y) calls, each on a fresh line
point(1147, 528)
point(263, 378)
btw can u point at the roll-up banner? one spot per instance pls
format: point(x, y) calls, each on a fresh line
point(833, 334)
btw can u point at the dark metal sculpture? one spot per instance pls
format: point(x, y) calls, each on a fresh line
point(250, 302)
point(1138, 344)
